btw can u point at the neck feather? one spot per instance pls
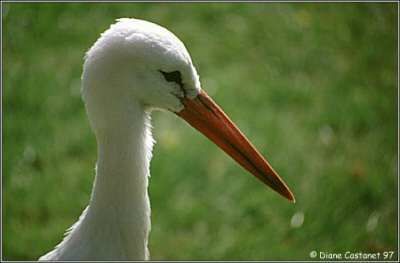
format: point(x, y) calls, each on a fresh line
point(120, 193)
point(116, 224)
point(124, 155)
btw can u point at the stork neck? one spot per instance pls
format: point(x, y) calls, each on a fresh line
point(123, 162)
point(119, 197)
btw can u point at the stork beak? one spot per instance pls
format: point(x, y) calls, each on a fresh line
point(207, 117)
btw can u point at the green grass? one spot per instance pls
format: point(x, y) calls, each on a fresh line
point(312, 85)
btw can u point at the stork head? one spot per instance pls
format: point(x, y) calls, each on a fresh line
point(136, 63)
point(139, 60)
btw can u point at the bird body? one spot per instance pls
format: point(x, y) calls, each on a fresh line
point(133, 68)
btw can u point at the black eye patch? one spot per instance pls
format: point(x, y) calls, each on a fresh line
point(174, 76)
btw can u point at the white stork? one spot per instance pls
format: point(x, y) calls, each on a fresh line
point(133, 68)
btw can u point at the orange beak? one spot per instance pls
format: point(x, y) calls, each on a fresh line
point(208, 118)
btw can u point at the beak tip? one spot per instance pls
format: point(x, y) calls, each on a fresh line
point(292, 199)
point(289, 195)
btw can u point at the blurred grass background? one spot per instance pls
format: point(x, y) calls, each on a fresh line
point(312, 85)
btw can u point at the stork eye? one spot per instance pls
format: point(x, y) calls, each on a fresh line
point(174, 76)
